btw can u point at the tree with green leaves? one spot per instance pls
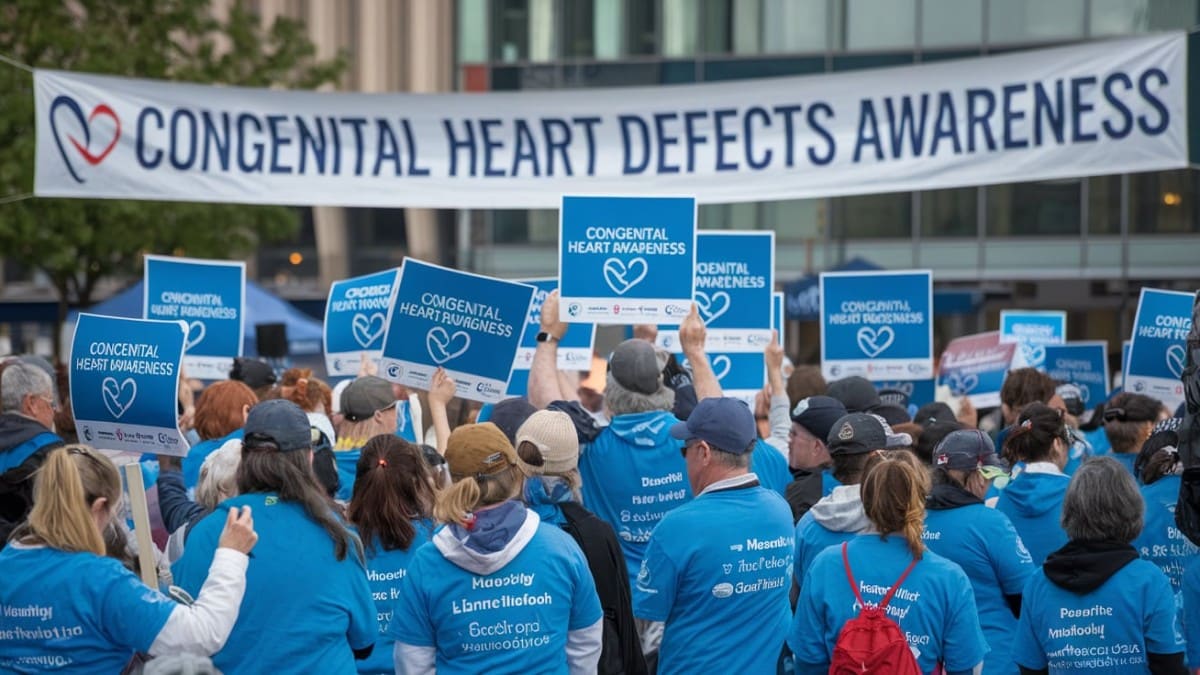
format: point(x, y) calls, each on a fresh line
point(79, 242)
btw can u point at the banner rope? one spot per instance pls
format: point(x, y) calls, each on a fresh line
point(16, 198)
point(15, 63)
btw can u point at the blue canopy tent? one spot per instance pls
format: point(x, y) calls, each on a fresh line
point(305, 334)
point(802, 297)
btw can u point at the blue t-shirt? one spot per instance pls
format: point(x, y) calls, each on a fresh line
point(385, 572)
point(405, 428)
point(513, 620)
point(1108, 630)
point(811, 538)
point(1191, 610)
point(345, 455)
point(1161, 542)
point(771, 467)
point(984, 544)
point(304, 610)
point(198, 453)
point(828, 482)
point(718, 572)
point(934, 607)
point(1033, 503)
point(633, 475)
point(75, 612)
point(1127, 460)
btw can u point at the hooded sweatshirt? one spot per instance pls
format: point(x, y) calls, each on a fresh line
point(1097, 599)
point(507, 594)
point(633, 475)
point(1033, 503)
point(833, 520)
point(24, 443)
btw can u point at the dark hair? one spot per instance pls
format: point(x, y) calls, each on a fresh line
point(1024, 386)
point(851, 469)
point(392, 488)
point(1031, 439)
point(804, 381)
point(1159, 457)
point(932, 435)
point(264, 468)
point(1127, 417)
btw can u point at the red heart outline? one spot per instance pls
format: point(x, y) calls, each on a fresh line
point(101, 109)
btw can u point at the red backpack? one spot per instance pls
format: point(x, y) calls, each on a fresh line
point(871, 642)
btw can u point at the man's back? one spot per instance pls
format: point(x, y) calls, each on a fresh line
point(24, 443)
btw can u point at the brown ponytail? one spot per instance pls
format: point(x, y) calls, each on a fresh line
point(893, 494)
point(68, 483)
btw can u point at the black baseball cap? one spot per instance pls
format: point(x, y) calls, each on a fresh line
point(817, 414)
point(856, 393)
point(967, 450)
point(860, 433)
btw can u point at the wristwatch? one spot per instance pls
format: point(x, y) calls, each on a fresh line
point(547, 337)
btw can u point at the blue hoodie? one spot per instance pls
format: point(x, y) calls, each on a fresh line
point(771, 467)
point(1191, 610)
point(1033, 502)
point(1161, 542)
point(633, 475)
point(1127, 460)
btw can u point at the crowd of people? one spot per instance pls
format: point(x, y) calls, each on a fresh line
point(634, 521)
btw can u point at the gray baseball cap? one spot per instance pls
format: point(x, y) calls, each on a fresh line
point(637, 366)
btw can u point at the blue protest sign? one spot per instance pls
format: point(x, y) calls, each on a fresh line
point(877, 324)
point(356, 321)
point(777, 315)
point(912, 393)
point(467, 323)
point(626, 259)
point(1032, 331)
point(741, 374)
point(1081, 363)
point(1158, 353)
point(1125, 344)
point(210, 296)
point(124, 381)
point(975, 366)
point(574, 350)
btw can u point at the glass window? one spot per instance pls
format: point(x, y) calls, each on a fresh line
point(791, 26)
point(678, 72)
point(579, 29)
point(885, 216)
point(608, 17)
point(1163, 202)
point(472, 31)
point(641, 27)
point(716, 27)
point(1121, 17)
point(951, 22)
point(880, 24)
point(736, 69)
point(1014, 21)
point(1104, 205)
point(795, 219)
point(512, 78)
point(510, 30)
point(1048, 208)
point(859, 61)
point(747, 27)
point(519, 226)
point(950, 213)
point(681, 22)
point(610, 74)
point(743, 216)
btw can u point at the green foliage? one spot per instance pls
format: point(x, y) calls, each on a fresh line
point(77, 242)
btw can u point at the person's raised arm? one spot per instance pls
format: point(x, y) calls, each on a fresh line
point(441, 390)
point(543, 372)
point(778, 415)
point(692, 335)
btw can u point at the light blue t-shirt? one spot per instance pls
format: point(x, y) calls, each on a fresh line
point(1161, 542)
point(1191, 610)
point(828, 482)
point(771, 467)
point(346, 452)
point(812, 537)
point(405, 428)
point(385, 572)
point(304, 611)
point(514, 620)
point(196, 456)
point(718, 571)
point(984, 544)
point(1127, 460)
point(1108, 630)
point(934, 607)
point(73, 612)
point(633, 475)
point(1033, 503)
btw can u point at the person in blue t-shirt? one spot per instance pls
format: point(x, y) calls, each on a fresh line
point(1033, 499)
point(308, 606)
point(722, 558)
point(979, 539)
point(220, 413)
point(67, 607)
point(368, 408)
point(497, 590)
point(933, 606)
point(392, 511)
point(1128, 420)
point(1094, 607)
point(1191, 611)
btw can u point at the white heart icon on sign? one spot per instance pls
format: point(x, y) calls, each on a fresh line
point(721, 365)
point(1034, 355)
point(443, 346)
point(195, 335)
point(367, 329)
point(874, 342)
point(621, 276)
point(118, 397)
point(961, 384)
point(1176, 360)
point(712, 306)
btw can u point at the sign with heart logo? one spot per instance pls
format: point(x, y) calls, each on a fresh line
point(574, 350)
point(356, 321)
point(742, 375)
point(1032, 331)
point(66, 109)
point(1084, 364)
point(1158, 351)
point(209, 296)
point(975, 366)
point(126, 374)
point(626, 259)
point(877, 324)
point(368, 329)
point(711, 307)
point(469, 323)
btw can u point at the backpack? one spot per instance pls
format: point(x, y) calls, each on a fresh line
point(871, 642)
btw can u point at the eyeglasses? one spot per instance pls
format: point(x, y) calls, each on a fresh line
point(49, 401)
point(688, 446)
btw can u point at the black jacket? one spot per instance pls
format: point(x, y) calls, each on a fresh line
point(24, 444)
point(622, 651)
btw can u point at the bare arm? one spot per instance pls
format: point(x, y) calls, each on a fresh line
point(691, 337)
point(441, 390)
point(777, 413)
point(544, 386)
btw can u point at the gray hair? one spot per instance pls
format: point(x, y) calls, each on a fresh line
point(218, 475)
point(732, 460)
point(1102, 503)
point(21, 380)
point(621, 401)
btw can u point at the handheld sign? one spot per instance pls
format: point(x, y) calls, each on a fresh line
point(574, 350)
point(1084, 364)
point(124, 380)
point(208, 295)
point(356, 320)
point(1125, 344)
point(911, 393)
point(877, 324)
point(975, 366)
point(467, 323)
point(741, 374)
point(1158, 353)
point(626, 259)
point(1032, 331)
point(777, 321)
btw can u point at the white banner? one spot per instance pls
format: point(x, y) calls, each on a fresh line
point(1116, 106)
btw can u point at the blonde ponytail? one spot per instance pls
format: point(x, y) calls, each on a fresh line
point(456, 503)
point(68, 483)
point(893, 495)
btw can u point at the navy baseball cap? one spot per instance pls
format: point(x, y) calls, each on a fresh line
point(817, 414)
point(281, 421)
point(967, 450)
point(724, 423)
